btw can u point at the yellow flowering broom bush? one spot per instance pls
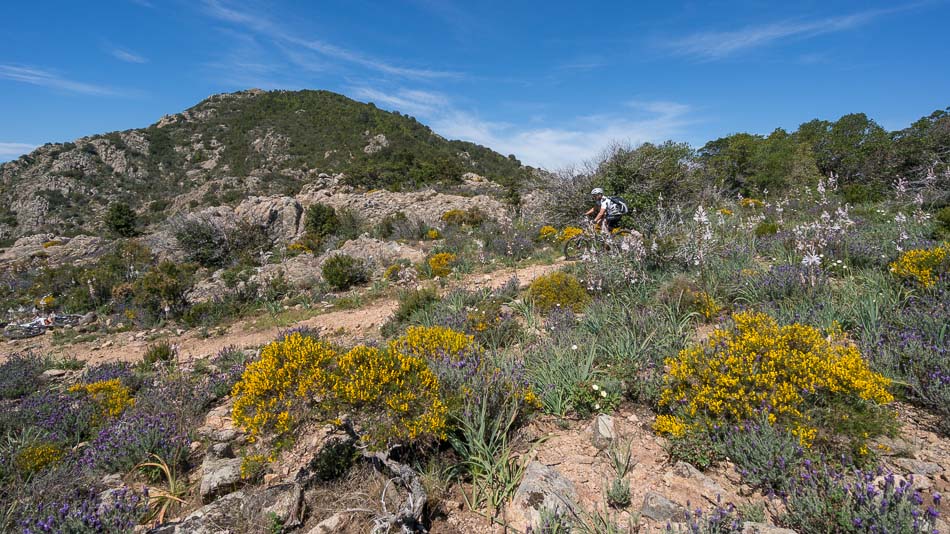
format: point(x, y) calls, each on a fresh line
point(558, 289)
point(111, 398)
point(547, 233)
point(924, 266)
point(394, 395)
point(794, 373)
point(568, 232)
point(272, 389)
point(36, 458)
point(391, 394)
point(433, 342)
point(441, 264)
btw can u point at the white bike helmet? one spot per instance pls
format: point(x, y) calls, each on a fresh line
point(597, 191)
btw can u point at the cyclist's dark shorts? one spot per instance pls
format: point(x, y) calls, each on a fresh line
point(612, 223)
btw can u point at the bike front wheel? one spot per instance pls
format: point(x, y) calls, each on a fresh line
point(577, 246)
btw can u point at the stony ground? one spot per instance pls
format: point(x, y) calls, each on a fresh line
point(573, 466)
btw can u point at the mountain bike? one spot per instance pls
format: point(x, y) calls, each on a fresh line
point(23, 331)
point(593, 240)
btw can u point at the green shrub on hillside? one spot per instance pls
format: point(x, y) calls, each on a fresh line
point(203, 242)
point(161, 291)
point(343, 272)
point(121, 220)
point(321, 220)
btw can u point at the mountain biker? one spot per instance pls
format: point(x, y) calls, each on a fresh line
point(606, 212)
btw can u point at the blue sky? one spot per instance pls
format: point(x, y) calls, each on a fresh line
point(552, 82)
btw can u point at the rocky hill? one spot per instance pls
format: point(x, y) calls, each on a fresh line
point(227, 148)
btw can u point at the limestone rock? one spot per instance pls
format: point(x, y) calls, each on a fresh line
point(222, 450)
point(709, 488)
point(750, 527)
point(53, 374)
point(541, 488)
point(918, 467)
point(602, 431)
point(55, 250)
point(380, 252)
point(284, 502)
point(376, 143)
point(219, 477)
point(330, 525)
point(212, 518)
point(280, 217)
point(658, 508)
point(426, 206)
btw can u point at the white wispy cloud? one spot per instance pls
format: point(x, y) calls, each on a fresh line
point(263, 26)
point(52, 80)
point(143, 3)
point(713, 45)
point(12, 150)
point(581, 139)
point(129, 57)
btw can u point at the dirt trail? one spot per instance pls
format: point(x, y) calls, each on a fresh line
point(359, 323)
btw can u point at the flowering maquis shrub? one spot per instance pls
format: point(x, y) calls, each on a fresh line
point(441, 264)
point(924, 266)
point(547, 233)
point(288, 371)
point(823, 499)
point(120, 514)
point(469, 217)
point(790, 372)
point(391, 394)
point(568, 232)
point(433, 233)
point(20, 375)
point(37, 457)
point(433, 343)
point(395, 395)
point(558, 289)
point(110, 396)
point(134, 438)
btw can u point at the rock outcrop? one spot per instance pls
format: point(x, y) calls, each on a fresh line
point(541, 488)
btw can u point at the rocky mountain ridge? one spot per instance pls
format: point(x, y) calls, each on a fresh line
point(227, 148)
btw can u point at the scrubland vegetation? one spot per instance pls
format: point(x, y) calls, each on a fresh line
point(781, 301)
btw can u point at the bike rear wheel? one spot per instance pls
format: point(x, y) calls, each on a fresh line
point(576, 247)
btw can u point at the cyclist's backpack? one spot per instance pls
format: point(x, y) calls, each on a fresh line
point(622, 207)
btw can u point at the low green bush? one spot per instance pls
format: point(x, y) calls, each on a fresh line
point(320, 220)
point(765, 228)
point(159, 352)
point(121, 220)
point(343, 272)
point(860, 194)
point(203, 242)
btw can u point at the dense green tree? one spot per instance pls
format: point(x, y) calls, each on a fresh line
point(855, 148)
point(121, 220)
point(321, 220)
point(731, 161)
point(644, 173)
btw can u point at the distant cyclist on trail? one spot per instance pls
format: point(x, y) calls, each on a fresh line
point(607, 211)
